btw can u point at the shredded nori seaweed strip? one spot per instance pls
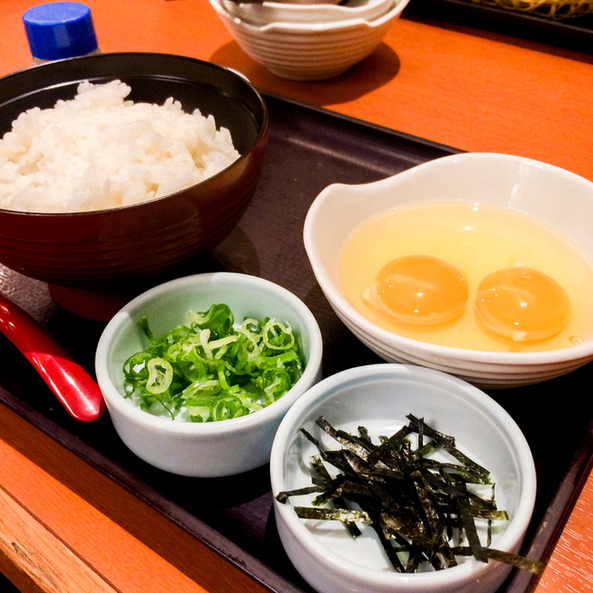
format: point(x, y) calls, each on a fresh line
point(420, 508)
point(521, 562)
point(448, 444)
point(338, 500)
point(284, 496)
point(469, 526)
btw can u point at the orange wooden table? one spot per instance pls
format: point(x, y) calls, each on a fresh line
point(460, 87)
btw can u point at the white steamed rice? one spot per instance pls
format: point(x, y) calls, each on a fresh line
point(100, 151)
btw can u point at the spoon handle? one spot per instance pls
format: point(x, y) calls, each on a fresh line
point(70, 383)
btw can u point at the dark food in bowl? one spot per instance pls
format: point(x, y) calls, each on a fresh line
point(90, 249)
point(423, 509)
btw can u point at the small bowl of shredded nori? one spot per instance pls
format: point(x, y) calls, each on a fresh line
point(394, 478)
point(198, 372)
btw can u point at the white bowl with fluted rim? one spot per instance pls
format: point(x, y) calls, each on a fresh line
point(265, 13)
point(206, 449)
point(553, 195)
point(309, 51)
point(379, 397)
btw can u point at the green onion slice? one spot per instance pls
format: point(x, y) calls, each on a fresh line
point(160, 375)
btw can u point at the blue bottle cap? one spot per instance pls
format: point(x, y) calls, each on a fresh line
point(60, 30)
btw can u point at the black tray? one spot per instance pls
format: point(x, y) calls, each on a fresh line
point(309, 149)
point(573, 33)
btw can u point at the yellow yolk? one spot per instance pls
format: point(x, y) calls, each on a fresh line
point(418, 290)
point(522, 304)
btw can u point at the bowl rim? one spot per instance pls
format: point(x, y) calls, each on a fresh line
point(57, 65)
point(330, 10)
point(116, 326)
point(308, 28)
point(328, 388)
point(339, 6)
point(435, 351)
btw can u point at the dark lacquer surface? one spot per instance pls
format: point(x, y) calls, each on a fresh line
point(570, 33)
point(308, 149)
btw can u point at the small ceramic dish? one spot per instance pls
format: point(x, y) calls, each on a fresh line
point(530, 187)
point(206, 449)
point(379, 397)
point(309, 51)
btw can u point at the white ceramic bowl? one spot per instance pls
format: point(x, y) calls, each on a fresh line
point(282, 12)
point(379, 397)
point(210, 449)
point(309, 51)
point(555, 196)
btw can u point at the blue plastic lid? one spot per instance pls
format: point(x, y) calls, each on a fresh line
point(60, 30)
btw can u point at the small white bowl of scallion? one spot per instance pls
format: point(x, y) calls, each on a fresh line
point(197, 373)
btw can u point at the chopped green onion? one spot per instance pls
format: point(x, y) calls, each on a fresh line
point(160, 375)
point(209, 370)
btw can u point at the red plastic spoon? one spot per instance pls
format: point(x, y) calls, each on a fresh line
point(71, 384)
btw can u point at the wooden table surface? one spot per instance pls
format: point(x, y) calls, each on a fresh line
point(66, 527)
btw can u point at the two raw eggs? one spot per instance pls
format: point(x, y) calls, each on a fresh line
point(468, 275)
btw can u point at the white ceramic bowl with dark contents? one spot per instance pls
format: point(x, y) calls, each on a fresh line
point(380, 398)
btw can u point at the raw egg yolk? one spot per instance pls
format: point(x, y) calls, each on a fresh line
point(420, 290)
point(522, 304)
